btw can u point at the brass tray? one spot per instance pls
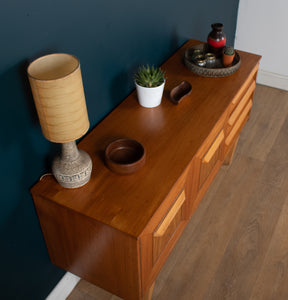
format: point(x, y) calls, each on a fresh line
point(218, 71)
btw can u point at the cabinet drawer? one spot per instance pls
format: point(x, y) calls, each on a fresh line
point(239, 108)
point(168, 226)
point(242, 91)
point(210, 159)
point(239, 124)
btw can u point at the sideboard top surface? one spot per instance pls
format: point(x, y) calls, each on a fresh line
point(171, 135)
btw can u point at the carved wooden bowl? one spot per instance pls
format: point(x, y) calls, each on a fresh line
point(179, 92)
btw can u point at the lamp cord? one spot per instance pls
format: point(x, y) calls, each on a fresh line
point(47, 174)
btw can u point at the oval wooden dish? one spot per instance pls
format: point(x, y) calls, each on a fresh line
point(217, 71)
point(179, 92)
point(125, 156)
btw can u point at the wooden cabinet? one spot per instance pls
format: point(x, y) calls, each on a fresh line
point(117, 231)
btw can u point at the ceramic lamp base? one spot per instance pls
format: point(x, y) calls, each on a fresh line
point(72, 168)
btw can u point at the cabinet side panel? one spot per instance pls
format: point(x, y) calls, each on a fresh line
point(89, 249)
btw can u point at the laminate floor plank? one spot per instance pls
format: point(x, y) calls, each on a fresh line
point(248, 247)
point(183, 244)
point(276, 166)
point(272, 281)
point(269, 112)
point(275, 267)
point(191, 274)
point(236, 243)
point(87, 291)
point(246, 251)
point(77, 294)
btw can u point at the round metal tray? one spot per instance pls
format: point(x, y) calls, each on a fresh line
point(218, 71)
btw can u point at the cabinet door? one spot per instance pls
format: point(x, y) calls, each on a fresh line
point(163, 231)
point(168, 226)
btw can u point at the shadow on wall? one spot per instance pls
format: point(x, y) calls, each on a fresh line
point(22, 150)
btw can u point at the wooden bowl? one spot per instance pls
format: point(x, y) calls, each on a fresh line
point(180, 91)
point(125, 156)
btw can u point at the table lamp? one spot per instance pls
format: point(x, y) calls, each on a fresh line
point(59, 98)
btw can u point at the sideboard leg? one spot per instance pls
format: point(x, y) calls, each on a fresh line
point(149, 293)
point(230, 154)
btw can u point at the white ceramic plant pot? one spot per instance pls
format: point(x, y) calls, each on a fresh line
point(150, 97)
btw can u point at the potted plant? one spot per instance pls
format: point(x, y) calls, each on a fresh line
point(228, 56)
point(149, 83)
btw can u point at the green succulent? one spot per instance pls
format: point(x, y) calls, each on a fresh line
point(229, 50)
point(149, 76)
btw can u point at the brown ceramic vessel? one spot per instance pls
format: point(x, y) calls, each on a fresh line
point(180, 91)
point(125, 156)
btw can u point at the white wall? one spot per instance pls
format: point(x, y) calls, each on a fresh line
point(262, 29)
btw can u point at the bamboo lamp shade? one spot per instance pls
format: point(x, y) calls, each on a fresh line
point(58, 93)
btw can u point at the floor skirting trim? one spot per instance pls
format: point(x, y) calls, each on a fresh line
point(64, 287)
point(272, 79)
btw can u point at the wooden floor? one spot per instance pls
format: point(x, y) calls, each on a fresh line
point(236, 244)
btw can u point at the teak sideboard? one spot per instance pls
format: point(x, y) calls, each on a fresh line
point(118, 230)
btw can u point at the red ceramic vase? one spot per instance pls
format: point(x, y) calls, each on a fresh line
point(216, 39)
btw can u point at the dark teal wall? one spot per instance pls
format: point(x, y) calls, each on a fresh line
point(110, 38)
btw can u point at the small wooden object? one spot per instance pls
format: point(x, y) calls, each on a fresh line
point(180, 92)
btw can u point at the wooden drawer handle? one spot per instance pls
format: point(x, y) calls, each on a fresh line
point(238, 123)
point(242, 104)
point(170, 216)
point(214, 147)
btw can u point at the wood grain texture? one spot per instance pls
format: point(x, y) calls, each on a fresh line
point(187, 125)
point(235, 246)
point(170, 215)
point(105, 231)
point(248, 246)
point(149, 294)
point(234, 133)
point(242, 104)
point(90, 249)
point(230, 153)
point(272, 280)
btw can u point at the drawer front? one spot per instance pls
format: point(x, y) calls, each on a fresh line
point(164, 229)
point(210, 159)
point(235, 131)
point(235, 114)
point(243, 90)
point(168, 226)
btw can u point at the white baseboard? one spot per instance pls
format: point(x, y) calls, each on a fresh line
point(272, 79)
point(64, 287)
